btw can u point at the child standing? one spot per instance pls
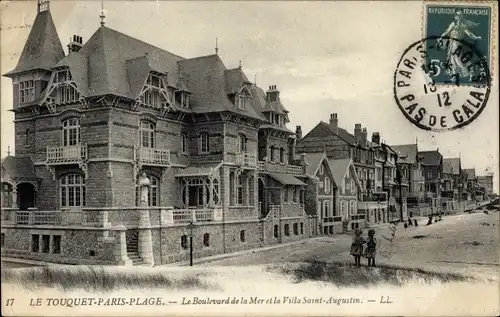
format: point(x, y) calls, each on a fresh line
point(371, 248)
point(357, 247)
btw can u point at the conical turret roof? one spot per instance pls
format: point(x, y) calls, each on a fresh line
point(43, 49)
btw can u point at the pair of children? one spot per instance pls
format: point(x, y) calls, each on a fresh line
point(357, 247)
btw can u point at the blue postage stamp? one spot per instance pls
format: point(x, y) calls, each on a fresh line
point(457, 30)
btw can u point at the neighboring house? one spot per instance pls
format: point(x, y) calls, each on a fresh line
point(321, 193)
point(409, 159)
point(214, 148)
point(432, 165)
point(487, 183)
point(348, 186)
point(340, 144)
point(452, 177)
point(472, 184)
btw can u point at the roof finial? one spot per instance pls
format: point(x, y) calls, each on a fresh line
point(216, 46)
point(102, 14)
point(43, 5)
point(239, 65)
point(255, 80)
point(8, 151)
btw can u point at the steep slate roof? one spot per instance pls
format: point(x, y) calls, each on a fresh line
point(19, 167)
point(323, 129)
point(206, 77)
point(430, 158)
point(339, 168)
point(407, 153)
point(259, 104)
point(471, 173)
point(451, 166)
point(108, 58)
point(111, 62)
point(314, 160)
point(43, 49)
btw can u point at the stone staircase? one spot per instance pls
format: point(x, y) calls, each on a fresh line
point(133, 247)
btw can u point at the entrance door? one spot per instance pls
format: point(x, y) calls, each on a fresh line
point(26, 196)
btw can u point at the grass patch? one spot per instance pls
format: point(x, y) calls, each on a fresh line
point(96, 278)
point(347, 275)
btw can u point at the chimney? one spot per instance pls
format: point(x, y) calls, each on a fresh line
point(334, 122)
point(357, 132)
point(298, 132)
point(364, 136)
point(76, 44)
point(376, 138)
point(273, 94)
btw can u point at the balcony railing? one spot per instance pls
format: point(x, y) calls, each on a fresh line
point(280, 168)
point(192, 215)
point(367, 205)
point(66, 154)
point(153, 156)
point(246, 159)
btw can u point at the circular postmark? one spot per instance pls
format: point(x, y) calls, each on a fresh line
point(448, 105)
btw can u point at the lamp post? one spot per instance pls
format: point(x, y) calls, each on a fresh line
point(191, 226)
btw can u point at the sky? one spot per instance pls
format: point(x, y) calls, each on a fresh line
point(324, 57)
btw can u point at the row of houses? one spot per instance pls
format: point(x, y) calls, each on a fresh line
point(123, 151)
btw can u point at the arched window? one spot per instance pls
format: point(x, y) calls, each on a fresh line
point(242, 235)
point(295, 229)
point(204, 146)
point(276, 231)
point(301, 228)
point(206, 239)
point(287, 230)
point(147, 134)
point(72, 190)
point(272, 153)
point(242, 140)
point(184, 143)
point(154, 192)
point(321, 169)
point(71, 132)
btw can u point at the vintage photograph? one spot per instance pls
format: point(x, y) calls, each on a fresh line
point(260, 158)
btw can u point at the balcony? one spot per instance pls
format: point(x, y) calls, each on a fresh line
point(246, 160)
point(153, 156)
point(367, 205)
point(280, 168)
point(72, 154)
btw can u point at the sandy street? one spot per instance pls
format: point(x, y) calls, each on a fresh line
point(464, 243)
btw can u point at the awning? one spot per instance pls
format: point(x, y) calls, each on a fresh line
point(199, 170)
point(287, 179)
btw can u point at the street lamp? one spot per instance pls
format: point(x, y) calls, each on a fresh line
point(191, 226)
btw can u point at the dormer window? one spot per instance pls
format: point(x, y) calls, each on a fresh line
point(241, 101)
point(182, 98)
point(65, 91)
point(27, 91)
point(153, 91)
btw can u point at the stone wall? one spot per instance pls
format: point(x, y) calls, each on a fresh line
point(167, 246)
point(77, 246)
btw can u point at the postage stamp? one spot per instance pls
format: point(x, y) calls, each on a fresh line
point(451, 23)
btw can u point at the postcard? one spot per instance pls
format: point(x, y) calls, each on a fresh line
point(257, 158)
